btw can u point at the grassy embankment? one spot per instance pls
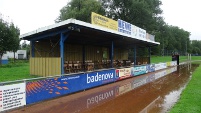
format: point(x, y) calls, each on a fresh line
point(15, 71)
point(157, 59)
point(190, 100)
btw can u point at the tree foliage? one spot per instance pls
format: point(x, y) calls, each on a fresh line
point(145, 14)
point(196, 47)
point(27, 47)
point(80, 9)
point(9, 37)
point(142, 13)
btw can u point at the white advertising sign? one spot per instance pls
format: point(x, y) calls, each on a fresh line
point(134, 31)
point(142, 33)
point(173, 63)
point(163, 65)
point(157, 67)
point(150, 37)
point(12, 96)
point(123, 73)
point(137, 32)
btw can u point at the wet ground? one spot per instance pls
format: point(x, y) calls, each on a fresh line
point(151, 93)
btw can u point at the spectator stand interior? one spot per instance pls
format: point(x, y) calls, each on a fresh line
point(73, 46)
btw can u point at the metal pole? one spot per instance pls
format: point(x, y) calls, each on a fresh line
point(163, 47)
point(149, 55)
point(112, 54)
point(62, 52)
point(83, 56)
point(186, 47)
point(32, 48)
point(135, 63)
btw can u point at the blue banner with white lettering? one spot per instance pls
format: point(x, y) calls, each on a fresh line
point(49, 88)
point(151, 67)
point(124, 27)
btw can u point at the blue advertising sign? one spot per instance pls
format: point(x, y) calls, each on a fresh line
point(4, 61)
point(151, 67)
point(98, 78)
point(45, 89)
point(138, 70)
point(124, 27)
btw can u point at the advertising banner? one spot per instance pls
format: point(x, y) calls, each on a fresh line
point(163, 65)
point(142, 33)
point(147, 36)
point(123, 73)
point(173, 63)
point(168, 64)
point(124, 27)
point(134, 31)
point(150, 37)
point(158, 66)
point(151, 67)
point(100, 20)
point(54, 87)
point(98, 78)
point(12, 96)
point(137, 32)
point(138, 70)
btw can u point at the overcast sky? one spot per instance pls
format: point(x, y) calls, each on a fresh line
point(29, 15)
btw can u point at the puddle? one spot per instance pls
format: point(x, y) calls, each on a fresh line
point(151, 93)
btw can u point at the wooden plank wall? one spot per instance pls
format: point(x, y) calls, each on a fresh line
point(120, 54)
point(73, 52)
point(47, 49)
point(95, 53)
point(45, 66)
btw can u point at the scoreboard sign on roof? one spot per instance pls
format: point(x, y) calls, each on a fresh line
point(103, 21)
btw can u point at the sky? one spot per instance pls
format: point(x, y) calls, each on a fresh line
point(185, 14)
point(30, 15)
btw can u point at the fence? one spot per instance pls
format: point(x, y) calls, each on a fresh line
point(45, 66)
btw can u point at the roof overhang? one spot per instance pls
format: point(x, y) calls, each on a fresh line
point(86, 33)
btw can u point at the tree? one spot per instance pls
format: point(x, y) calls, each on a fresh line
point(80, 9)
point(142, 13)
point(9, 37)
point(196, 47)
point(26, 47)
